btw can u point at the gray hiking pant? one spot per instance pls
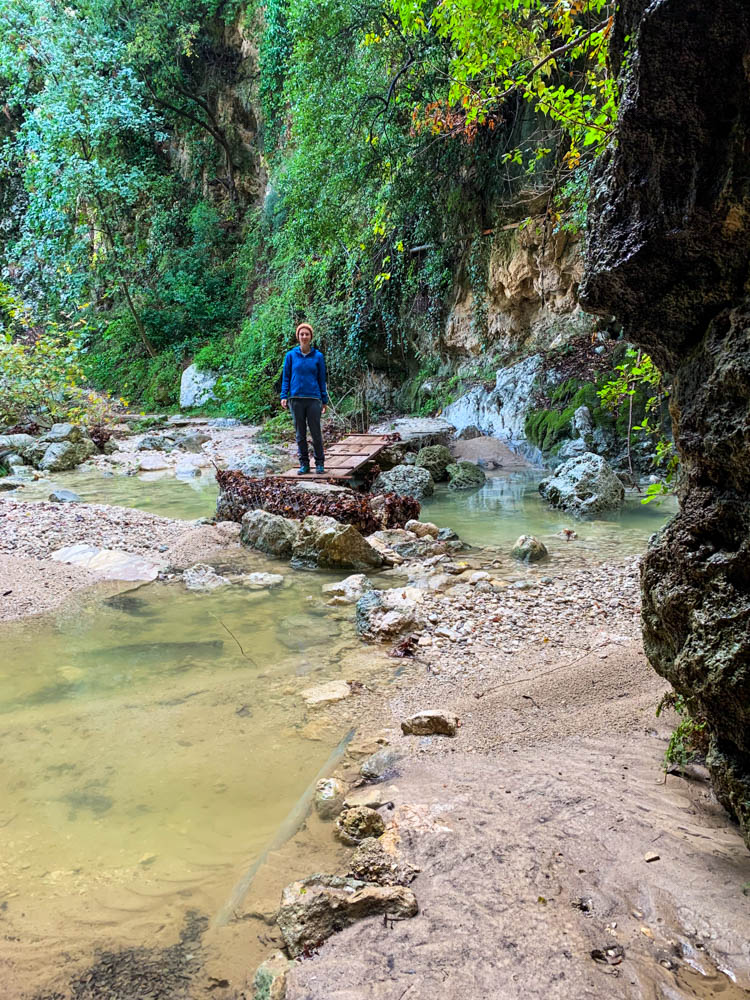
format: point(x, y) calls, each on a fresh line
point(306, 413)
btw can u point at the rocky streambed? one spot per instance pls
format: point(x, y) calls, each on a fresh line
point(498, 825)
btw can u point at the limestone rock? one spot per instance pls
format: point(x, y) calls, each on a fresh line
point(15, 442)
point(435, 458)
point(203, 577)
point(529, 549)
point(357, 823)
point(433, 722)
point(465, 476)
point(500, 412)
point(326, 694)
point(406, 481)
point(60, 456)
point(329, 797)
point(584, 486)
point(380, 765)
point(314, 908)
point(419, 432)
point(383, 614)
point(155, 442)
point(422, 529)
point(196, 388)
point(191, 441)
point(108, 564)
point(349, 590)
point(152, 463)
point(64, 496)
point(269, 533)
point(63, 432)
point(261, 581)
point(468, 433)
point(325, 542)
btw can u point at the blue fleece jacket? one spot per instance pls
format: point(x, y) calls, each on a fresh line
point(304, 375)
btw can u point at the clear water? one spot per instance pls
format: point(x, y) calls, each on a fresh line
point(155, 492)
point(509, 505)
point(152, 743)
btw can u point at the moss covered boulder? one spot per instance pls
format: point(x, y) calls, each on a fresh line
point(436, 458)
point(465, 476)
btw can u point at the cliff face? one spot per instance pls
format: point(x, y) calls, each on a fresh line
point(533, 276)
point(669, 255)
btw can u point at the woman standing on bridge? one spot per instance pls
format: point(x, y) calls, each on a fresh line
point(303, 388)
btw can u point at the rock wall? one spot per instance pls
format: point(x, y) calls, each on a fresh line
point(669, 254)
point(224, 82)
point(532, 295)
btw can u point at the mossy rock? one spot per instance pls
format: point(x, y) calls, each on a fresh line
point(465, 476)
point(435, 458)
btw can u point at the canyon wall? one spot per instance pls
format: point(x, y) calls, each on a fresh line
point(669, 255)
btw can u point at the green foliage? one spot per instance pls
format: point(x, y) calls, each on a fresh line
point(278, 428)
point(552, 56)
point(547, 427)
point(689, 741)
point(41, 370)
point(638, 380)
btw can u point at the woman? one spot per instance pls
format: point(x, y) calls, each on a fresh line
point(303, 387)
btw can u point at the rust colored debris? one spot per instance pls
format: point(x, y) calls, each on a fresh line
point(241, 493)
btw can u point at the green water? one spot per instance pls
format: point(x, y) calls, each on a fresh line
point(155, 492)
point(509, 505)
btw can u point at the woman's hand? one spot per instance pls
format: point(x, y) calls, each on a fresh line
point(323, 410)
point(284, 404)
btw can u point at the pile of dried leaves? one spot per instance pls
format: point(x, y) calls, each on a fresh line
point(241, 493)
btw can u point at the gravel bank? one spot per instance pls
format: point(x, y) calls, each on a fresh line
point(38, 529)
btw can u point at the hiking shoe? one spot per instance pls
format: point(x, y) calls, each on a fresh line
point(303, 470)
point(320, 469)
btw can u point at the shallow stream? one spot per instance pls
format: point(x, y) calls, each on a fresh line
point(152, 743)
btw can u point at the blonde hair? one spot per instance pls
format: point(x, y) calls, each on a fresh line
point(302, 326)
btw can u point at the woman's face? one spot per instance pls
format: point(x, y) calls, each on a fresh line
point(305, 338)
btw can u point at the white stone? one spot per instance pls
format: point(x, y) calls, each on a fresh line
point(500, 412)
point(203, 577)
point(196, 388)
point(326, 694)
point(108, 564)
point(152, 463)
point(349, 590)
point(262, 580)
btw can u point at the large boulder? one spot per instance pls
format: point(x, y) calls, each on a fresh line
point(465, 476)
point(435, 458)
point(406, 481)
point(316, 907)
point(269, 533)
point(15, 442)
point(325, 542)
point(584, 486)
point(196, 388)
point(385, 614)
point(63, 455)
point(529, 549)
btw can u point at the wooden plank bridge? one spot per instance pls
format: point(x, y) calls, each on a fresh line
point(345, 458)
